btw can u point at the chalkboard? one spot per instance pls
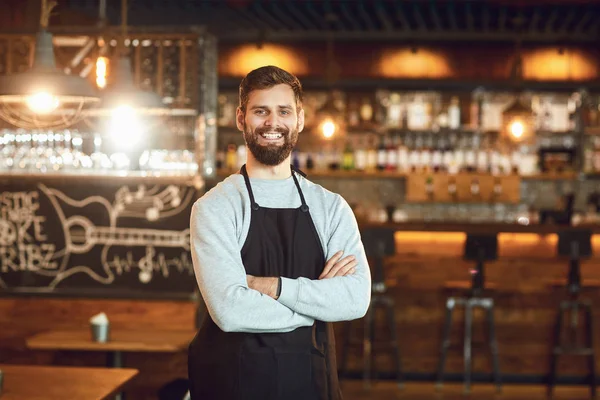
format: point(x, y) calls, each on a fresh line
point(96, 238)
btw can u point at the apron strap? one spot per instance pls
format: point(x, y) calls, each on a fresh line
point(304, 206)
point(255, 206)
point(247, 180)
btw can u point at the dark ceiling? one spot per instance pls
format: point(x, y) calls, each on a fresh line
point(412, 21)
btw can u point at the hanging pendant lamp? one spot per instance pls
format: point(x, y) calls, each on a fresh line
point(44, 97)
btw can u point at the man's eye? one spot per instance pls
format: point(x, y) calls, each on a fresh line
point(259, 112)
point(284, 112)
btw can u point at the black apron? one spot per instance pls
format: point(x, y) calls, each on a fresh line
point(297, 365)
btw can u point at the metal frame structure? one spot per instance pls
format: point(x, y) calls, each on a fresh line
point(538, 21)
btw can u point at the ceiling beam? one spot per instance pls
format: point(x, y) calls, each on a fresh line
point(401, 16)
point(567, 21)
point(551, 20)
point(288, 17)
point(435, 16)
point(383, 16)
point(314, 15)
point(349, 17)
point(581, 24)
point(428, 36)
point(502, 19)
point(451, 16)
point(332, 17)
point(365, 16)
point(534, 20)
point(422, 27)
point(469, 17)
point(266, 17)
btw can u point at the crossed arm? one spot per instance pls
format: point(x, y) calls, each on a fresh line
point(335, 266)
point(240, 303)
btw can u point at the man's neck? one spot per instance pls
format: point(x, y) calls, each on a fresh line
point(260, 171)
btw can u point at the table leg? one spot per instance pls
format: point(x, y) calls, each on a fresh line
point(115, 360)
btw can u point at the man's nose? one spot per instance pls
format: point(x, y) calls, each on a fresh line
point(271, 120)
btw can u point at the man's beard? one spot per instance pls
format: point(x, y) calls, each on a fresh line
point(271, 154)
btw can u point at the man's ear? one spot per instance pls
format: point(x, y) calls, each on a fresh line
point(301, 120)
point(239, 119)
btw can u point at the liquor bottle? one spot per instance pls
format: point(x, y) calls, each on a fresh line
point(360, 157)
point(231, 157)
point(426, 153)
point(403, 157)
point(353, 113)
point(392, 154)
point(454, 113)
point(348, 156)
point(372, 154)
point(394, 115)
point(437, 156)
point(382, 154)
point(366, 111)
point(310, 162)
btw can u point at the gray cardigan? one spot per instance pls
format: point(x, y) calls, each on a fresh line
point(220, 222)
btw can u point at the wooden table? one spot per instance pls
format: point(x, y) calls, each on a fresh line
point(121, 341)
point(49, 383)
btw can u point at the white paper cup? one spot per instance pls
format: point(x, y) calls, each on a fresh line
point(100, 332)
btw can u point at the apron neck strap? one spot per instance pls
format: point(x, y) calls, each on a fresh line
point(255, 206)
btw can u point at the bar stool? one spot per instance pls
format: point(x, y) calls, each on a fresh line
point(574, 243)
point(378, 243)
point(478, 248)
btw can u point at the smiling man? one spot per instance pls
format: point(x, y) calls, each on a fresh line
point(277, 258)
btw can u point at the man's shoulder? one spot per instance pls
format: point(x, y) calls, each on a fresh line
point(225, 193)
point(324, 195)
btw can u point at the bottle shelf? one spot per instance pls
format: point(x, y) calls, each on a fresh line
point(342, 174)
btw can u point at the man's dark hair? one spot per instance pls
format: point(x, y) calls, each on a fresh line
point(265, 78)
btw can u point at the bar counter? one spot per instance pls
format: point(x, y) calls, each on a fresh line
point(527, 282)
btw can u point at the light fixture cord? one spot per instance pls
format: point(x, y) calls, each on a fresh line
point(123, 27)
point(46, 12)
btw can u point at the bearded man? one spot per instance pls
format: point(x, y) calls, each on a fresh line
point(277, 258)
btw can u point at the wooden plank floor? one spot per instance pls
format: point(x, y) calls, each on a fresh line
point(386, 390)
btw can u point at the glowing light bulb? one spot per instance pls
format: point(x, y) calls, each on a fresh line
point(42, 103)
point(517, 129)
point(328, 128)
point(101, 71)
point(125, 126)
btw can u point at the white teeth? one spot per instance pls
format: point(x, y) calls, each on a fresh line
point(271, 135)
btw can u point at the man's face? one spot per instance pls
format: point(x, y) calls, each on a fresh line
point(271, 124)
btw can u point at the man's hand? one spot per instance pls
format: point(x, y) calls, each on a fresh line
point(265, 285)
point(336, 267)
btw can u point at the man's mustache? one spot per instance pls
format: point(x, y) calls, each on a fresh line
point(263, 130)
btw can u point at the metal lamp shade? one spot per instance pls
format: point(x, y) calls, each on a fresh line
point(123, 92)
point(45, 77)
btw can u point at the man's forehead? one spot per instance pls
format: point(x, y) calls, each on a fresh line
point(279, 94)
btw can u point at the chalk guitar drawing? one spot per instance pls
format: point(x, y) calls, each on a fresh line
point(26, 246)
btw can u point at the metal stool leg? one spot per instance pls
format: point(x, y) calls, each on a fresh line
point(555, 346)
point(590, 344)
point(494, 346)
point(367, 344)
point(394, 337)
point(445, 341)
point(467, 343)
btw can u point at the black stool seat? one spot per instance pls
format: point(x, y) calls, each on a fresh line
point(378, 243)
point(470, 295)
